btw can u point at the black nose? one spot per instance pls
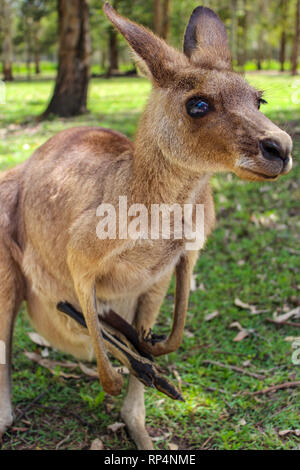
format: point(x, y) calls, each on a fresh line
point(272, 150)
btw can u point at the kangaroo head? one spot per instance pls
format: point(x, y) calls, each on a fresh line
point(201, 114)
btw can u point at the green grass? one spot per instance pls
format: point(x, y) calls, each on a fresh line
point(252, 255)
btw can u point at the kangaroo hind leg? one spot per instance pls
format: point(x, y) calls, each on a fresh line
point(11, 296)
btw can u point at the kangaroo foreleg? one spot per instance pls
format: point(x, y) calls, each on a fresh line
point(154, 345)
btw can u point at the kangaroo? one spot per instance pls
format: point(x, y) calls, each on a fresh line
point(201, 118)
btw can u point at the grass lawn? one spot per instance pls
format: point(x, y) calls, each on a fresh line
point(253, 255)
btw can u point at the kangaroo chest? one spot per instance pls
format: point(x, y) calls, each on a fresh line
point(136, 270)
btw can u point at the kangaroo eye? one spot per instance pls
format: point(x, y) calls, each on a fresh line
point(261, 101)
point(197, 107)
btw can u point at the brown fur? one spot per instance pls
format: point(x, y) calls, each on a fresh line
point(49, 250)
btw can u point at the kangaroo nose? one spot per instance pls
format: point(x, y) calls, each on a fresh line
point(273, 150)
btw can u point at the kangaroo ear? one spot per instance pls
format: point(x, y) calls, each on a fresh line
point(156, 59)
point(206, 40)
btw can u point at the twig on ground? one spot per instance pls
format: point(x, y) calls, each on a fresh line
point(31, 404)
point(63, 441)
point(240, 370)
point(274, 388)
point(287, 323)
point(204, 445)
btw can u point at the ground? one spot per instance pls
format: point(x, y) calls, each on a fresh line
point(253, 256)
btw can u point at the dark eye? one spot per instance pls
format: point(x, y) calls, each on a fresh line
point(197, 107)
point(261, 101)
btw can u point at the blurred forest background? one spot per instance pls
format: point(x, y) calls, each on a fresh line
point(43, 37)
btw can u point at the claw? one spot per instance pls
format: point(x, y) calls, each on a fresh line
point(123, 346)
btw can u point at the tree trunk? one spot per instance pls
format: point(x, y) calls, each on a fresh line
point(28, 22)
point(283, 38)
point(282, 54)
point(7, 47)
point(242, 56)
point(165, 27)
point(70, 93)
point(113, 50)
point(158, 16)
point(162, 14)
point(295, 55)
point(37, 48)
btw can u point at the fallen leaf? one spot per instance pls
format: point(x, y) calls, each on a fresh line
point(159, 402)
point(173, 446)
point(295, 313)
point(115, 427)
point(97, 444)
point(194, 286)
point(38, 339)
point(178, 378)
point(291, 339)
point(252, 308)
point(237, 325)
point(109, 407)
point(89, 371)
point(189, 334)
point(247, 363)
point(45, 352)
point(241, 335)
point(289, 431)
point(51, 365)
point(211, 316)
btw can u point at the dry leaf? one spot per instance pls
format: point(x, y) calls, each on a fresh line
point(178, 378)
point(241, 335)
point(89, 371)
point(97, 444)
point(286, 316)
point(159, 402)
point(51, 365)
point(252, 308)
point(172, 446)
point(211, 316)
point(45, 352)
point(38, 339)
point(189, 334)
point(115, 427)
point(194, 286)
point(289, 431)
point(237, 325)
point(109, 407)
point(291, 339)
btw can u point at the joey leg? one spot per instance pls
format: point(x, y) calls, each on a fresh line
point(133, 413)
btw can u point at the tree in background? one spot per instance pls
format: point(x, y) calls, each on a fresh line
point(162, 17)
point(113, 50)
point(70, 93)
point(295, 56)
point(283, 36)
point(33, 11)
point(7, 39)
